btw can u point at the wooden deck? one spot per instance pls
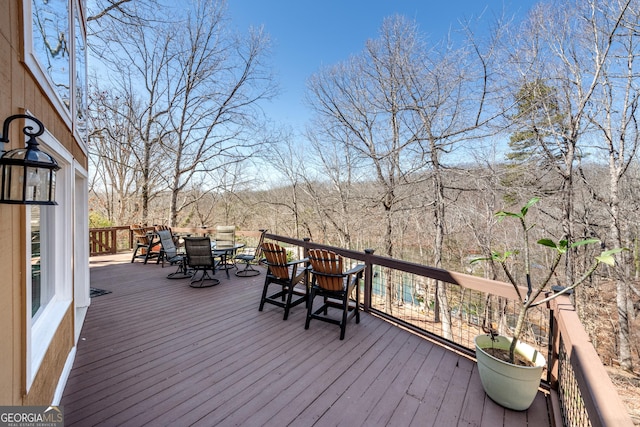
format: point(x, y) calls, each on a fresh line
point(157, 352)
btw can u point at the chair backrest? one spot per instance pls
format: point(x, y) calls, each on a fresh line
point(225, 236)
point(168, 245)
point(140, 234)
point(276, 257)
point(258, 251)
point(327, 267)
point(198, 251)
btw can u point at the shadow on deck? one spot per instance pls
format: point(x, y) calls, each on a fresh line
point(156, 352)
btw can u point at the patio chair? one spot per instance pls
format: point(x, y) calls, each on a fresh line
point(226, 238)
point(199, 257)
point(176, 241)
point(249, 257)
point(330, 281)
point(170, 253)
point(284, 275)
point(144, 243)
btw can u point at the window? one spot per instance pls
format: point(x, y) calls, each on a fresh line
point(39, 296)
point(51, 38)
point(80, 78)
point(55, 52)
point(49, 261)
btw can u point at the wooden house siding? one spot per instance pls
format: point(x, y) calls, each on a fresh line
point(21, 93)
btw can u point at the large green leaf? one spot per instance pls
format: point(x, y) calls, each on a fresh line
point(585, 242)
point(548, 242)
point(526, 207)
point(607, 257)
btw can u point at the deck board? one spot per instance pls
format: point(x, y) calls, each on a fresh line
point(157, 352)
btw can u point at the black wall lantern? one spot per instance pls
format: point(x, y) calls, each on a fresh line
point(27, 175)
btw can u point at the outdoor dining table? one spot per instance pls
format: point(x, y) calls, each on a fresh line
point(225, 253)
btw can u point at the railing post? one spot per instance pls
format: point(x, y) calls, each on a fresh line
point(114, 241)
point(368, 279)
point(305, 248)
point(553, 347)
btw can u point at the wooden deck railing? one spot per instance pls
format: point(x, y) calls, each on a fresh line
point(585, 392)
point(111, 240)
point(581, 391)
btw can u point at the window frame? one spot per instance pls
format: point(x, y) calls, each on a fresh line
point(58, 262)
point(31, 61)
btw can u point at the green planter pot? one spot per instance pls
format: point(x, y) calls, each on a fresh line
point(511, 386)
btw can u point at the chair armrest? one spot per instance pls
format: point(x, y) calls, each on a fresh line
point(298, 261)
point(356, 270)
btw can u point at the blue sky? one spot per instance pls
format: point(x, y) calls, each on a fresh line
point(309, 34)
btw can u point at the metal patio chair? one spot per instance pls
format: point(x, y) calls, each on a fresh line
point(170, 253)
point(199, 257)
point(250, 257)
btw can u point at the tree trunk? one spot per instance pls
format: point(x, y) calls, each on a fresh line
point(624, 336)
point(442, 312)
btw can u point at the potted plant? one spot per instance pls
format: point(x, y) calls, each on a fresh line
point(504, 377)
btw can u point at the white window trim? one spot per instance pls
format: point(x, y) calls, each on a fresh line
point(79, 13)
point(33, 64)
point(81, 278)
point(36, 68)
point(40, 333)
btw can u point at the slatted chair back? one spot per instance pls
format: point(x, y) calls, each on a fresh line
point(140, 234)
point(225, 236)
point(328, 268)
point(198, 251)
point(276, 257)
point(285, 276)
point(258, 250)
point(143, 240)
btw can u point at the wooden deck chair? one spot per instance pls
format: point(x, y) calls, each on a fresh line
point(284, 275)
point(144, 243)
point(330, 281)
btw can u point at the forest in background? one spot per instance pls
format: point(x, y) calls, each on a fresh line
point(413, 146)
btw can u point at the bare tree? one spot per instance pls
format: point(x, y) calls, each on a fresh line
point(399, 106)
point(362, 103)
point(214, 83)
point(614, 113)
point(332, 191)
point(112, 148)
point(571, 50)
point(285, 169)
point(552, 48)
point(104, 13)
point(197, 87)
